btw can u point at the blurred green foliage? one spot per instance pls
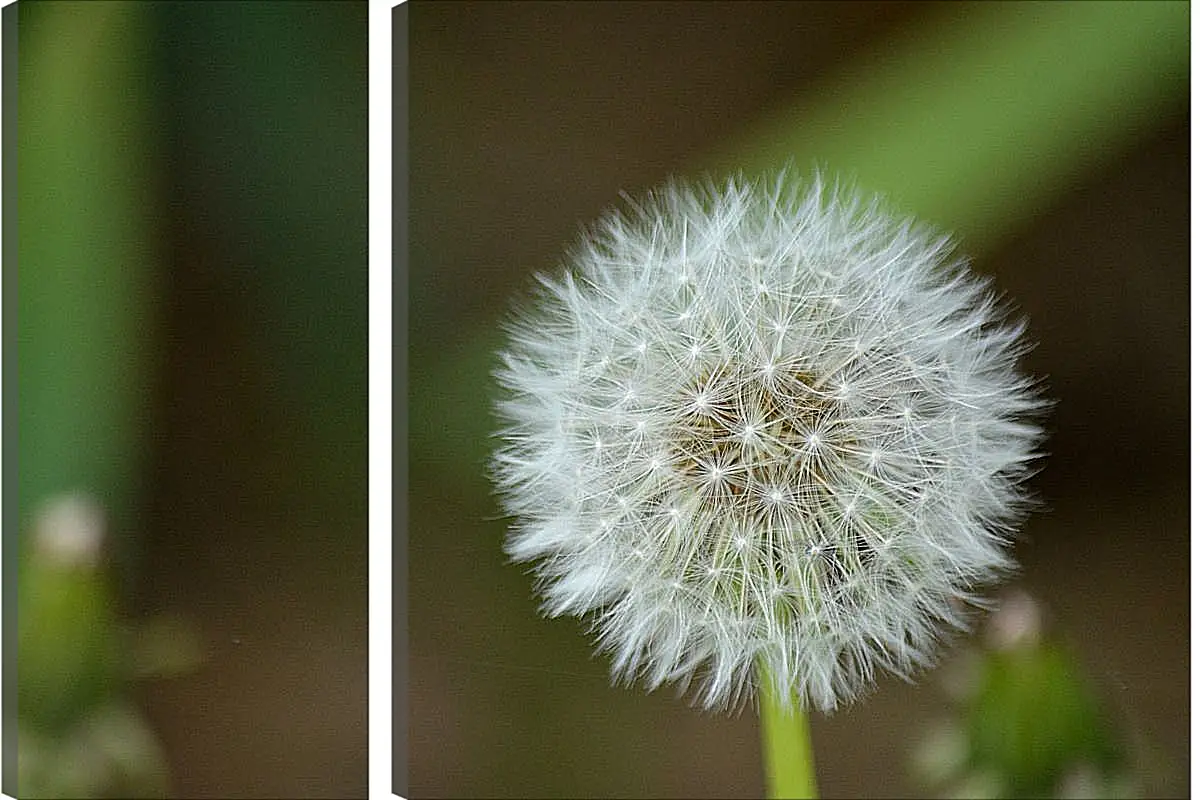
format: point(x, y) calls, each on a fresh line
point(1034, 719)
point(110, 753)
point(1027, 722)
point(78, 733)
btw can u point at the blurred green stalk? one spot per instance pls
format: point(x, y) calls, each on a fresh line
point(85, 263)
point(979, 119)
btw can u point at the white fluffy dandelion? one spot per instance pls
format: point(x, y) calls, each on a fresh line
point(764, 425)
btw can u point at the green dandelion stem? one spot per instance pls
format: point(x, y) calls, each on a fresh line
point(787, 746)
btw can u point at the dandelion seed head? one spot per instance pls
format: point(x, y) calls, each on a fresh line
point(763, 423)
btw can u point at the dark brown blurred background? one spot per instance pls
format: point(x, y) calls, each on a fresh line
point(257, 518)
point(527, 119)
